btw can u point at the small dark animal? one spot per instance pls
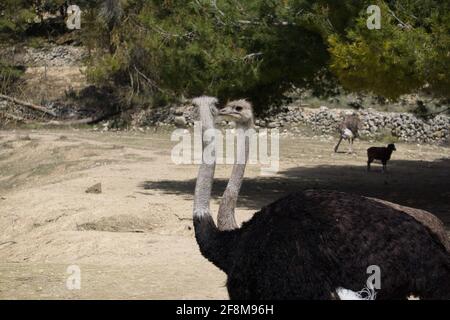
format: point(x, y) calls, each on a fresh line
point(380, 153)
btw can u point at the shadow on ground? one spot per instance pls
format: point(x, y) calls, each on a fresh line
point(418, 184)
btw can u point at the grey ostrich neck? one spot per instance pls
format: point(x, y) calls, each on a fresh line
point(226, 219)
point(213, 244)
point(205, 176)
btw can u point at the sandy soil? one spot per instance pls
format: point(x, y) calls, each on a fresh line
point(135, 239)
point(52, 82)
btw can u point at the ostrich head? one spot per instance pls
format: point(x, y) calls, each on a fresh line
point(239, 111)
point(207, 109)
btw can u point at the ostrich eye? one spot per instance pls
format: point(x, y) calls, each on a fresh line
point(238, 109)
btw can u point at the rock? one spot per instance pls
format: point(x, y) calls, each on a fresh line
point(96, 189)
point(272, 125)
point(180, 122)
point(179, 111)
point(356, 104)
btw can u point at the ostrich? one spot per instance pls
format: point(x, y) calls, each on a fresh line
point(308, 244)
point(348, 130)
point(236, 110)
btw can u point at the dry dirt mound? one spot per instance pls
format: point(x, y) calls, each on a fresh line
point(119, 223)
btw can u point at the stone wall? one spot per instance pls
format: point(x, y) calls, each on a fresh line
point(403, 126)
point(50, 56)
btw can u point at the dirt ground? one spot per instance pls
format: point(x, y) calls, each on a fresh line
point(135, 239)
point(52, 82)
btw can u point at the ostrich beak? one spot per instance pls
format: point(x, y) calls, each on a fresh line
point(228, 112)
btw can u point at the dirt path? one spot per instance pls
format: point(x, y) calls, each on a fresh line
point(135, 239)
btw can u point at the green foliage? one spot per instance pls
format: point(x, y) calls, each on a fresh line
point(18, 17)
point(262, 49)
point(8, 76)
point(161, 50)
point(408, 53)
point(15, 16)
point(224, 48)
